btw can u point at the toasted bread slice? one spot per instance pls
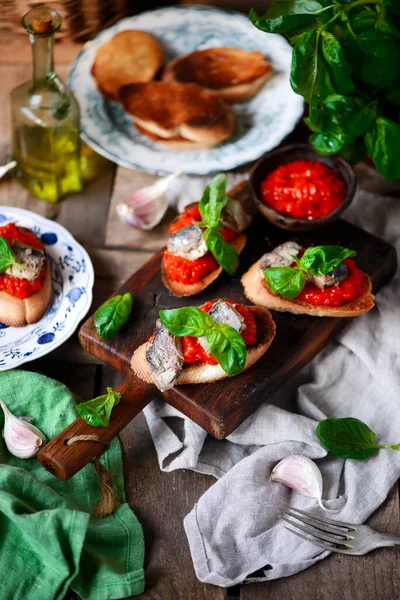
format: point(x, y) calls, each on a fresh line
point(235, 75)
point(130, 56)
point(227, 123)
point(179, 289)
point(15, 312)
point(256, 291)
point(173, 110)
point(205, 373)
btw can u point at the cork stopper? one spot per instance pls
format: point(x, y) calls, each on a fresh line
point(42, 21)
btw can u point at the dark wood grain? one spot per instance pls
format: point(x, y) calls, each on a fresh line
point(221, 406)
point(64, 461)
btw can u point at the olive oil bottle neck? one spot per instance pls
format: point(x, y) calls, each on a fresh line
point(43, 63)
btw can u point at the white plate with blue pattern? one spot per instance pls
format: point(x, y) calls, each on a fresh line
point(72, 281)
point(262, 123)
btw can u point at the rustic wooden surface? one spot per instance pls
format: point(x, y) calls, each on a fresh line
point(161, 500)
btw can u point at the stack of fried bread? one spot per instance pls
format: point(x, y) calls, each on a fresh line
point(189, 108)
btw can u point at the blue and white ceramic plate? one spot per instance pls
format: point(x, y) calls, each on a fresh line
point(72, 277)
point(262, 123)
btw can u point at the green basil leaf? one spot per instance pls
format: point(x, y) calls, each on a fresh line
point(347, 438)
point(354, 152)
point(337, 61)
point(213, 201)
point(383, 146)
point(285, 17)
point(188, 320)
point(112, 315)
point(381, 59)
point(310, 76)
point(225, 254)
point(227, 347)
point(7, 258)
point(339, 121)
point(285, 281)
point(97, 412)
point(320, 260)
point(362, 21)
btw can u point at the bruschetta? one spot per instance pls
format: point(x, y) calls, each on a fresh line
point(330, 287)
point(190, 261)
point(25, 278)
point(171, 358)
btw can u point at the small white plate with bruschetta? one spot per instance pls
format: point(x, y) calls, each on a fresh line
point(41, 308)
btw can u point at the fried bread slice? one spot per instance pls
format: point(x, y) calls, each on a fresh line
point(257, 291)
point(131, 56)
point(177, 112)
point(205, 373)
point(234, 74)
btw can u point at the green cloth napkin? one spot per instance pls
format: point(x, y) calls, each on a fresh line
point(49, 540)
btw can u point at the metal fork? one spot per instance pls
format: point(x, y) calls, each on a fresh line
point(335, 536)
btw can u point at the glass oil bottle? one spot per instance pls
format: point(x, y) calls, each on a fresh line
point(45, 118)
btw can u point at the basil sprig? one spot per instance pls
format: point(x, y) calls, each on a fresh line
point(7, 258)
point(212, 203)
point(349, 438)
point(345, 64)
point(317, 260)
point(225, 343)
point(112, 315)
point(97, 412)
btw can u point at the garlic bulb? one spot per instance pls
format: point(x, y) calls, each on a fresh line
point(302, 475)
point(145, 208)
point(22, 439)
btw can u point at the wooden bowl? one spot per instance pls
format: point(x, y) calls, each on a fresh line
point(287, 154)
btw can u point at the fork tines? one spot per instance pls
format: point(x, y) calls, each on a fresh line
point(323, 532)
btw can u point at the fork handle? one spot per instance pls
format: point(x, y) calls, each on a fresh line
point(386, 539)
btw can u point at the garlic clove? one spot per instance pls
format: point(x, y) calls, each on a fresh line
point(301, 474)
point(145, 208)
point(22, 439)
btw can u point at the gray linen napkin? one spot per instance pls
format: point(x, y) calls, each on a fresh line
point(234, 530)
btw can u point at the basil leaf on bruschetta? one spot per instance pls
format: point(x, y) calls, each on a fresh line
point(7, 258)
point(188, 320)
point(285, 281)
point(228, 348)
point(320, 260)
point(225, 254)
point(112, 315)
point(213, 201)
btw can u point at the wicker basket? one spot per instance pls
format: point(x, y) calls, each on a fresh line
point(82, 19)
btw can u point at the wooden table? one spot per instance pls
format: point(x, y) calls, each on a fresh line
point(161, 500)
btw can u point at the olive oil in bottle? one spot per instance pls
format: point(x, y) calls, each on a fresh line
point(45, 118)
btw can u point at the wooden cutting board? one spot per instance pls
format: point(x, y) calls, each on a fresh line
point(221, 406)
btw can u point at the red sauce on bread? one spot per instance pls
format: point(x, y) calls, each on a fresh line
point(304, 190)
point(15, 286)
point(192, 271)
point(193, 351)
point(350, 289)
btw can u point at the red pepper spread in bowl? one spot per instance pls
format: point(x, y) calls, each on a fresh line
point(192, 271)
point(20, 287)
point(304, 189)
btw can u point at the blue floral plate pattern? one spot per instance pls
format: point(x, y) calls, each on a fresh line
point(262, 123)
point(72, 280)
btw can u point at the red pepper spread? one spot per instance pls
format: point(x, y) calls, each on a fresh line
point(192, 271)
point(350, 289)
point(304, 190)
point(192, 350)
point(20, 288)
